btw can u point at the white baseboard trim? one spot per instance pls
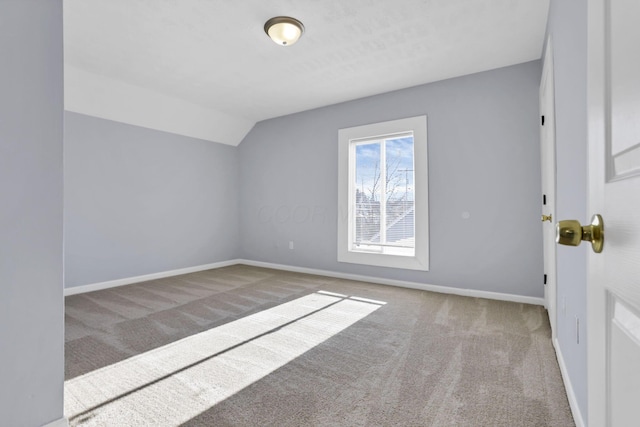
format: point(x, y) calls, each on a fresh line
point(129, 280)
point(391, 282)
point(62, 422)
point(399, 283)
point(571, 396)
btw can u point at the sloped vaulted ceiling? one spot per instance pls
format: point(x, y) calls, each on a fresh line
point(206, 69)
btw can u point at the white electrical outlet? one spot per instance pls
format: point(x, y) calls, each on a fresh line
point(291, 244)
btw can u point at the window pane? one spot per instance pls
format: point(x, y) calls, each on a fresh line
point(384, 195)
point(368, 188)
point(400, 208)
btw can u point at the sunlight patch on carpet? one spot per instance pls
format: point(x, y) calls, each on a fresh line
point(176, 382)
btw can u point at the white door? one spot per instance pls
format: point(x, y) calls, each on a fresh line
point(548, 199)
point(613, 296)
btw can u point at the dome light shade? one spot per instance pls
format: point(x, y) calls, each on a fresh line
point(284, 30)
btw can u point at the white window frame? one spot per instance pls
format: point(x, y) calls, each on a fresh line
point(347, 138)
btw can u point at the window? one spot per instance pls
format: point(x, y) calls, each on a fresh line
point(383, 210)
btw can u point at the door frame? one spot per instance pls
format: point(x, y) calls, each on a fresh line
point(549, 146)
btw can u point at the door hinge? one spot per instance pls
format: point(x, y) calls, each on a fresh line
point(544, 199)
point(542, 120)
point(545, 279)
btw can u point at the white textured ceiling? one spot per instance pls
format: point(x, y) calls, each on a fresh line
point(133, 60)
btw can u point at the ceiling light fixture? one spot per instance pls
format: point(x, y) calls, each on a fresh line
point(284, 30)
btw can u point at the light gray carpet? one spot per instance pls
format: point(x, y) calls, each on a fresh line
point(246, 346)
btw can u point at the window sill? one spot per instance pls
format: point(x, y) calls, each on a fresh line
point(416, 262)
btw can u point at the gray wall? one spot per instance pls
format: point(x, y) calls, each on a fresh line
point(140, 201)
point(31, 301)
point(568, 29)
point(484, 159)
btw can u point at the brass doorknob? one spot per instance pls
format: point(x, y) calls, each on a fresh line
point(547, 218)
point(570, 232)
